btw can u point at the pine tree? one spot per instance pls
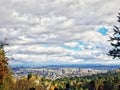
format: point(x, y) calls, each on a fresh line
point(115, 41)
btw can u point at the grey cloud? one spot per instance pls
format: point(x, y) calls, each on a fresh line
point(55, 22)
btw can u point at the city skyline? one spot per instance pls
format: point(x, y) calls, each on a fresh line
point(56, 32)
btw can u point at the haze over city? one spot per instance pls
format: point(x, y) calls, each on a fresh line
point(58, 32)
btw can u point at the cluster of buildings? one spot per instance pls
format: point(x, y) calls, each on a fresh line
point(54, 73)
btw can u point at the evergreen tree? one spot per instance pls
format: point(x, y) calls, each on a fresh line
point(115, 41)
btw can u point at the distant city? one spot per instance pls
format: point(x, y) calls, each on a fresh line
point(60, 71)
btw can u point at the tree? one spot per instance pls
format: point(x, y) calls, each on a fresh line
point(115, 41)
point(4, 68)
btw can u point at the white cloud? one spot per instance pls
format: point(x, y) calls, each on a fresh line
point(39, 30)
point(71, 44)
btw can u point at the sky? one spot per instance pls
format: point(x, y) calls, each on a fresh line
point(57, 32)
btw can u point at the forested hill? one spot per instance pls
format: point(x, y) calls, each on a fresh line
point(112, 79)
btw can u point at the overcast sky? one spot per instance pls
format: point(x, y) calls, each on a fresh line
point(45, 32)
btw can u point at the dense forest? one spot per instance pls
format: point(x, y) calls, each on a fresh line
point(112, 79)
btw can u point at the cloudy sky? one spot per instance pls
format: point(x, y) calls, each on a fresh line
point(45, 32)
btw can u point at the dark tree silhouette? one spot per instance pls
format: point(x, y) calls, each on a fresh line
point(115, 41)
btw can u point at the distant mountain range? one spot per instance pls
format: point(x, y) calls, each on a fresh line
point(92, 66)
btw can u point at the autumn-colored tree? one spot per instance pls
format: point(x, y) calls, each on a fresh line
point(4, 68)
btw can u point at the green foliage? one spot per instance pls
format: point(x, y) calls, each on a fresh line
point(115, 52)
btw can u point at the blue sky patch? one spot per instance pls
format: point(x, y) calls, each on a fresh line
point(77, 47)
point(103, 31)
point(81, 43)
